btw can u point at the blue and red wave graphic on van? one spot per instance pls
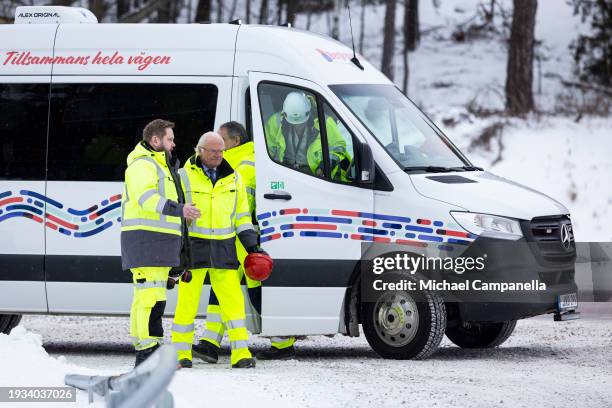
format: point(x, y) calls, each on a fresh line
point(68, 221)
point(285, 223)
point(360, 226)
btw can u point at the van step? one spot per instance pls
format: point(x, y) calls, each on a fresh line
point(562, 317)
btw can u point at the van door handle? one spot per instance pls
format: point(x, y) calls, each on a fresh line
point(278, 196)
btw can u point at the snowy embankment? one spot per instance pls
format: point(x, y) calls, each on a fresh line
point(25, 363)
point(544, 364)
point(461, 85)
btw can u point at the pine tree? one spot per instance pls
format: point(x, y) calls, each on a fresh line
point(387, 66)
point(593, 51)
point(519, 79)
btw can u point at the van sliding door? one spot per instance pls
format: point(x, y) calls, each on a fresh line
point(308, 204)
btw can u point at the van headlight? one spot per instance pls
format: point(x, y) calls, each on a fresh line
point(488, 225)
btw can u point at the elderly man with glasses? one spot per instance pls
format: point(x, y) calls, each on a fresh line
point(211, 183)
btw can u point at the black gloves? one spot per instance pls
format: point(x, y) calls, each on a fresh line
point(256, 250)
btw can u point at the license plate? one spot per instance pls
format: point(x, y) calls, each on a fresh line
point(568, 301)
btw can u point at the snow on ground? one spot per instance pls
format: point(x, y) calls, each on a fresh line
point(25, 363)
point(544, 364)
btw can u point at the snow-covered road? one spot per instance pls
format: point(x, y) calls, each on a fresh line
point(544, 364)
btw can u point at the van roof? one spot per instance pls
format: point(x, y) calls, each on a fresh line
point(177, 49)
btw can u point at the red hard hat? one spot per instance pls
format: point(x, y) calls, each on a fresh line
point(258, 266)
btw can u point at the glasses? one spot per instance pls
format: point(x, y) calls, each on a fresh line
point(213, 151)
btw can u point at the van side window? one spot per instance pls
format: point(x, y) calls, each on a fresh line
point(291, 127)
point(23, 131)
point(340, 147)
point(93, 127)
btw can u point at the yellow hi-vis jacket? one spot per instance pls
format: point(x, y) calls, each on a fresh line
point(242, 159)
point(275, 129)
point(151, 211)
point(224, 212)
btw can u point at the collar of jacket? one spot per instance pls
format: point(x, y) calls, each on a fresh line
point(223, 170)
point(236, 154)
point(143, 149)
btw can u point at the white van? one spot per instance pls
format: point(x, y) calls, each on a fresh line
point(75, 95)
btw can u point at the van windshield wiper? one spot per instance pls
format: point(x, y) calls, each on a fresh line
point(467, 168)
point(429, 169)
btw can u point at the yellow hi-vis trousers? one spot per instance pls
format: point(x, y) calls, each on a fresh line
point(226, 285)
point(148, 306)
point(215, 329)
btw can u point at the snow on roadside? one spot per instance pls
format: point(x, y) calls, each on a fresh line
point(25, 363)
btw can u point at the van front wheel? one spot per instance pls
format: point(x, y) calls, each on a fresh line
point(8, 322)
point(404, 325)
point(480, 335)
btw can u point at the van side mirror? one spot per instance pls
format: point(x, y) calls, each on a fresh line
point(366, 169)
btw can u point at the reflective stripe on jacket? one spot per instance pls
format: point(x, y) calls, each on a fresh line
point(224, 212)
point(242, 159)
point(150, 211)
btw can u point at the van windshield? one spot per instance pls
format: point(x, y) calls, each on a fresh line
point(402, 129)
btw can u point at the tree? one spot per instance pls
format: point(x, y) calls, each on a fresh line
point(219, 11)
point(291, 11)
point(123, 6)
point(519, 78)
point(593, 51)
point(387, 66)
point(335, 31)
point(279, 12)
point(248, 11)
point(203, 11)
point(166, 11)
point(412, 31)
point(263, 12)
point(233, 10)
point(412, 35)
point(61, 2)
point(362, 25)
point(99, 8)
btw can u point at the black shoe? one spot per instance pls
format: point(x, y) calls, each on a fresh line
point(245, 363)
point(185, 363)
point(142, 355)
point(274, 353)
point(206, 351)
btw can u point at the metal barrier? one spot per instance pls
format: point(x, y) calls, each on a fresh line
point(144, 386)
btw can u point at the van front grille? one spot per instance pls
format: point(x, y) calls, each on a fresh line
point(547, 233)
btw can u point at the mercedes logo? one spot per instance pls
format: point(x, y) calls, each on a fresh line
point(566, 238)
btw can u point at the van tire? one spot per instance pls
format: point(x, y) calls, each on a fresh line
point(428, 331)
point(480, 335)
point(8, 322)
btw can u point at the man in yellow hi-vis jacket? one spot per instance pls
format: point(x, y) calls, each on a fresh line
point(152, 210)
point(240, 154)
point(218, 191)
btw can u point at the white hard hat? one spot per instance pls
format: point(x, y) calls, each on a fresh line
point(296, 108)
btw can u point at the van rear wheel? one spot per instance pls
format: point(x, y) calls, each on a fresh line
point(404, 325)
point(480, 335)
point(8, 322)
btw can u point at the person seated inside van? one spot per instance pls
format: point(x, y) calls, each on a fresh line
point(294, 139)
